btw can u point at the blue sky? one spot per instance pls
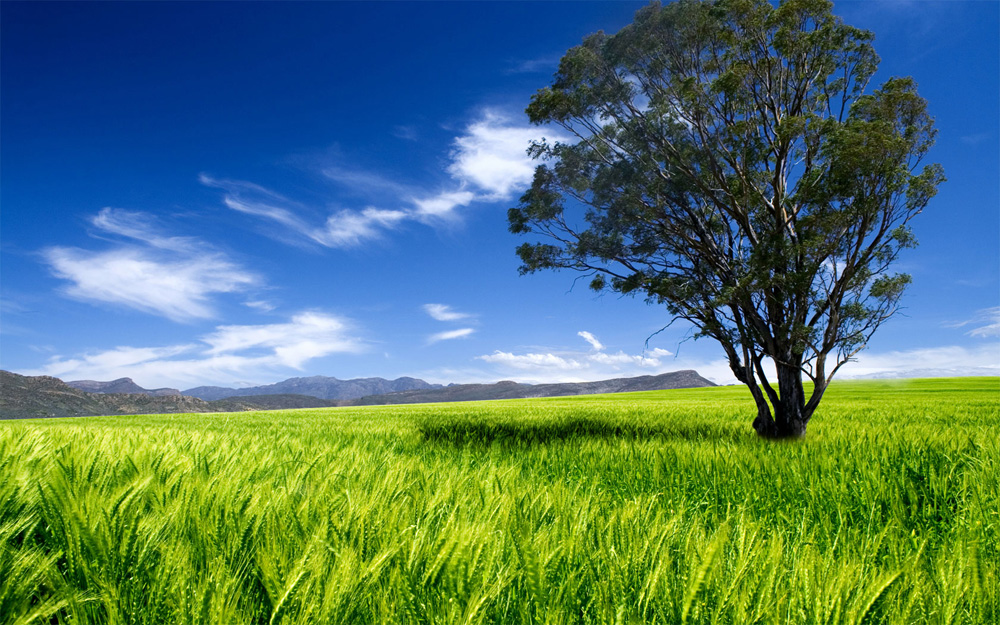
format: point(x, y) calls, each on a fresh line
point(237, 193)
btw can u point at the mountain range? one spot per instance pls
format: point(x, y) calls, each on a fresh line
point(33, 397)
point(515, 390)
point(25, 397)
point(316, 386)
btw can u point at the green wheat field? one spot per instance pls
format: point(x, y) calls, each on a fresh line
point(658, 507)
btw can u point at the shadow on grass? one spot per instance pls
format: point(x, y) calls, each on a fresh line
point(521, 433)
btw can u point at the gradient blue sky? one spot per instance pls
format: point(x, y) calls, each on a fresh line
point(237, 193)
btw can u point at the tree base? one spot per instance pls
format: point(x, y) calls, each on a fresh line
point(770, 429)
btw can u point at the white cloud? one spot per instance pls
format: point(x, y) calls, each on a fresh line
point(575, 366)
point(140, 227)
point(350, 228)
point(545, 366)
point(173, 277)
point(461, 333)
point(230, 355)
point(590, 338)
point(308, 335)
point(492, 156)
point(945, 361)
point(442, 312)
point(260, 305)
point(556, 367)
point(117, 359)
point(441, 206)
point(531, 361)
point(178, 290)
point(621, 358)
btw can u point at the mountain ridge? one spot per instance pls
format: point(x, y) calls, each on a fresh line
point(120, 386)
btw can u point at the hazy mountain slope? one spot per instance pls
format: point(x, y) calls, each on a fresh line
point(271, 402)
point(28, 397)
point(316, 386)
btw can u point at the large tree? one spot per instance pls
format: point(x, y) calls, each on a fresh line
point(726, 161)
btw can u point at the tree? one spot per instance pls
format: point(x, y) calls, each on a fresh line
point(726, 161)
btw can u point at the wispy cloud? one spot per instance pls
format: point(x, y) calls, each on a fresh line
point(367, 183)
point(547, 63)
point(460, 333)
point(986, 322)
point(254, 199)
point(975, 139)
point(441, 206)
point(345, 228)
point(168, 276)
point(263, 306)
point(488, 163)
point(590, 338)
point(281, 215)
point(443, 312)
point(929, 25)
point(350, 228)
point(407, 133)
point(140, 227)
point(231, 354)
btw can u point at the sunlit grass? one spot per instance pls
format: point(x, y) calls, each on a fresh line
point(640, 508)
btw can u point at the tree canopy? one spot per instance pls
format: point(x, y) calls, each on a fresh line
point(727, 161)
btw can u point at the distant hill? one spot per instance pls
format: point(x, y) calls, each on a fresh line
point(121, 385)
point(316, 386)
point(28, 397)
point(514, 390)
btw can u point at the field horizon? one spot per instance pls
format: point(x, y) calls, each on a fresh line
point(652, 507)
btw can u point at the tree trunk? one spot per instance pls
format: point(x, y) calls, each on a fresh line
point(790, 415)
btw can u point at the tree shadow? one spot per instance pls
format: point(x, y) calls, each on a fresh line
point(478, 433)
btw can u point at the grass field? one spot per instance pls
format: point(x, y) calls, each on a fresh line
point(655, 507)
